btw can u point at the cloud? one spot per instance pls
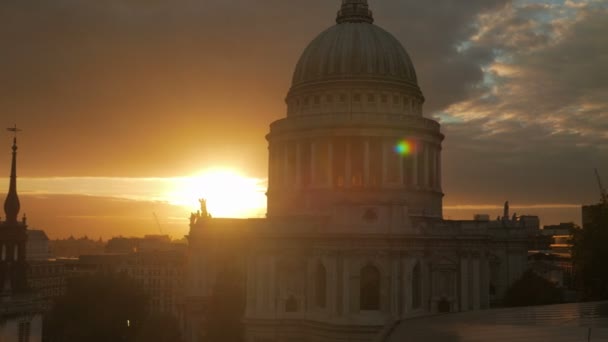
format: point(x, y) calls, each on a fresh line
point(539, 121)
point(131, 88)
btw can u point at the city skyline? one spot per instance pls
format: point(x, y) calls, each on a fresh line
point(152, 105)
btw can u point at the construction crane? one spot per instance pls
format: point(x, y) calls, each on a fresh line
point(603, 194)
point(158, 223)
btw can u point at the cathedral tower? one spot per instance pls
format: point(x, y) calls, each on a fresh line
point(13, 237)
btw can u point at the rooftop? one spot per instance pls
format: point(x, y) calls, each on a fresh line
point(555, 323)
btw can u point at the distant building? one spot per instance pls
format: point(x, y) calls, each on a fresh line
point(48, 278)
point(559, 229)
point(161, 275)
point(591, 214)
point(149, 243)
point(100, 264)
point(20, 309)
point(73, 248)
point(38, 247)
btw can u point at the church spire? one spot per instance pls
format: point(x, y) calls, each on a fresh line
point(354, 11)
point(11, 204)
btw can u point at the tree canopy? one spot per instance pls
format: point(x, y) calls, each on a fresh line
point(532, 289)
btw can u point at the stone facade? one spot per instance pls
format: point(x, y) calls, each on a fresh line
point(354, 238)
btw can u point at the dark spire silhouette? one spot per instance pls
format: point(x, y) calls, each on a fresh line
point(11, 204)
point(354, 11)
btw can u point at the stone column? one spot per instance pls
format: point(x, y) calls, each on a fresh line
point(348, 178)
point(406, 286)
point(415, 157)
point(476, 283)
point(394, 298)
point(346, 291)
point(298, 180)
point(426, 167)
point(401, 170)
point(286, 165)
point(313, 164)
point(251, 287)
point(366, 161)
point(270, 166)
point(439, 181)
point(464, 283)
point(330, 164)
point(384, 145)
point(485, 283)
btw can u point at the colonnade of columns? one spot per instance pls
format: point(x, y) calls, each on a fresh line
point(344, 162)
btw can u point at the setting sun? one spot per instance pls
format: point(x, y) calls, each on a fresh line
point(228, 193)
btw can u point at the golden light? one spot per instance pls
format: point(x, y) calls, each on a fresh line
point(228, 193)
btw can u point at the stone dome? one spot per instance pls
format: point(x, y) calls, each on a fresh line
point(354, 48)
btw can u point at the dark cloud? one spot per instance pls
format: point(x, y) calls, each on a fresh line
point(539, 126)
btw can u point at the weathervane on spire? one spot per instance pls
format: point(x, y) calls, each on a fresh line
point(15, 130)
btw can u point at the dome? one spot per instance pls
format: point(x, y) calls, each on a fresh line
point(354, 48)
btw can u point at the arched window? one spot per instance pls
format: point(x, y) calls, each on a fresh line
point(321, 286)
point(16, 253)
point(3, 252)
point(370, 288)
point(291, 304)
point(416, 287)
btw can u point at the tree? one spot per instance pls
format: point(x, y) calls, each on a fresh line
point(590, 254)
point(532, 289)
point(159, 328)
point(98, 308)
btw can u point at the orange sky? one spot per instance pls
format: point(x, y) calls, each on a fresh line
point(165, 88)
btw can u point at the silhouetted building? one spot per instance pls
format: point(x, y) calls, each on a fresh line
point(149, 243)
point(48, 279)
point(592, 214)
point(37, 247)
point(100, 264)
point(161, 275)
point(354, 237)
point(20, 311)
point(73, 248)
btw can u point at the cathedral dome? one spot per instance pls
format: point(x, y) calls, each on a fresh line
point(354, 48)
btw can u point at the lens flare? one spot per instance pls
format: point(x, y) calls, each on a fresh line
point(403, 148)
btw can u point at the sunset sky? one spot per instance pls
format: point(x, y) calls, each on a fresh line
point(129, 106)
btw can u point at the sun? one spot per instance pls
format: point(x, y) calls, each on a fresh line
point(228, 193)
